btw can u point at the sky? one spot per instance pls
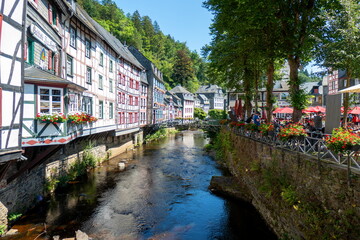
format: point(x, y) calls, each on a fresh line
point(185, 20)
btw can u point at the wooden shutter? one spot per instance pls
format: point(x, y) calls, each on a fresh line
point(50, 62)
point(50, 14)
point(56, 64)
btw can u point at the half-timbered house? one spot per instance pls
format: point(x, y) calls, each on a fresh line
point(12, 35)
point(156, 105)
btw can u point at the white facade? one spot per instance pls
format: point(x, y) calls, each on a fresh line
point(11, 76)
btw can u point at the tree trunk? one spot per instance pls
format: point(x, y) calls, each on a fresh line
point(256, 96)
point(269, 91)
point(346, 99)
point(294, 85)
point(248, 92)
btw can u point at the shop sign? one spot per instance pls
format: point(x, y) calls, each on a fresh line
point(42, 37)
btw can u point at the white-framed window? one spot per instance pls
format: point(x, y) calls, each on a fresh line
point(101, 60)
point(69, 65)
point(101, 82)
point(101, 109)
point(50, 100)
point(111, 110)
point(88, 75)
point(111, 66)
point(111, 88)
point(72, 36)
point(74, 102)
point(87, 48)
point(87, 105)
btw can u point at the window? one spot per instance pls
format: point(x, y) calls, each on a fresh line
point(111, 66)
point(69, 65)
point(74, 101)
point(55, 19)
point(101, 84)
point(88, 75)
point(87, 105)
point(111, 110)
point(73, 37)
point(50, 100)
point(101, 59)
point(87, 48)
point(111, 89)
point(101, 109)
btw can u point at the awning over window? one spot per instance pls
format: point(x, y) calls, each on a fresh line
point(41, 77)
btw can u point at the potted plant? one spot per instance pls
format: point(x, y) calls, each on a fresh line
point(292, 131)
point(251, 127)
point(80, 118)
point(343, 141)
point(50, 118)
point(266, 129)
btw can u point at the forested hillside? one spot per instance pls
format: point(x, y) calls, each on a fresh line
point(178, 64)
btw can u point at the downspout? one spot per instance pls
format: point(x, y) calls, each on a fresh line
point(63, 59)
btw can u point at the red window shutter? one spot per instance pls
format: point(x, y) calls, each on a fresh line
point(56, 64)
point(50, 14)
point(50, 60)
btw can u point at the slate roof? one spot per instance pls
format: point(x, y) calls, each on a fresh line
point(115, 43)
point(308, 86)
point(209, 89)
point(203, 97)
point(179, 89)
point(143, 78)
point(35, 75)
point(281, 86)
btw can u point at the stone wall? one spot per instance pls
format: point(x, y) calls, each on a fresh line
point(298, 196)
point(26, 190)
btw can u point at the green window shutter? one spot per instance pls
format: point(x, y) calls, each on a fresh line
point(31, 47)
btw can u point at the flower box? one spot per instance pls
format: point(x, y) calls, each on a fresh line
point(50, 118)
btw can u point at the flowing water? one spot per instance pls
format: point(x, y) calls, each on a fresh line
point(162, 195)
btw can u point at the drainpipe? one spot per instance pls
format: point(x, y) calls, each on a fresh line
point(63, 59)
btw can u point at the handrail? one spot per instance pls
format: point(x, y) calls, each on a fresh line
point(310, 146)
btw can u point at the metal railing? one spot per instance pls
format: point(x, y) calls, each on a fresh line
point(311, 146)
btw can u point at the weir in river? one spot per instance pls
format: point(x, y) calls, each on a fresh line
point(162, 194)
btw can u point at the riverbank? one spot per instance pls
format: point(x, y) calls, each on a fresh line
point(297, 198)
point(162, 193)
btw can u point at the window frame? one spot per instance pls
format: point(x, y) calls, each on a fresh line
point(111, 87)
point(73, 36)
point(87, 48)
point(87, 75)
point(111, 66)
point(71, 66)
point(51, 111)
point(101, 82)
point(111, 110)
point(101, 59)
point(101, 109)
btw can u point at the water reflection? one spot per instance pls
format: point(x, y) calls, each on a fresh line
point(162, 195)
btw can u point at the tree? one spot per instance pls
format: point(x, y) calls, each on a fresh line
point(200, 113)
point(340, 48)
point(183, 71)
point(217, 114)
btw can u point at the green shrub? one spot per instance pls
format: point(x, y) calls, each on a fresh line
point(3, 229)
point(217, 114)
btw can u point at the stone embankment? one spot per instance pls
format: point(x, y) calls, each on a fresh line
point(298, 197)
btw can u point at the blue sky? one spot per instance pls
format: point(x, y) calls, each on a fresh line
point(185, 20)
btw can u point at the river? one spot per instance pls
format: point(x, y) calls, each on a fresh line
point(162, 194)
